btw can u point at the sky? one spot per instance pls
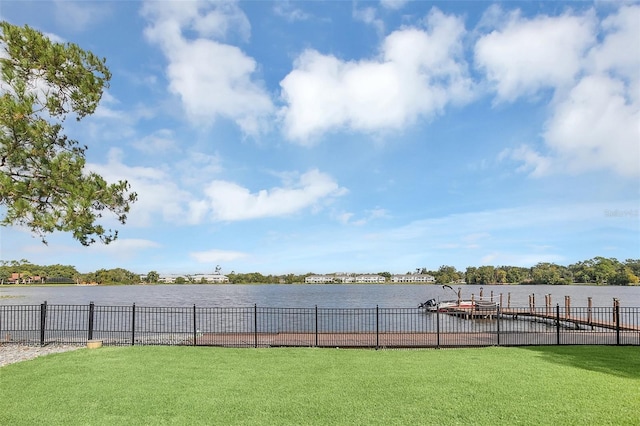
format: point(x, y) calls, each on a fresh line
point(355, 136)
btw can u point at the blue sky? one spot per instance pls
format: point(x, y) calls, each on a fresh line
point(325, 136)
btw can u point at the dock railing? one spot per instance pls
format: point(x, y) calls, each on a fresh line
point(375, 327)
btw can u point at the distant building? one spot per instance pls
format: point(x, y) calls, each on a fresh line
point(319, 279)
point(210, 278)
point(370, 278)
point(168, 279)
point(344, 279)
point(17, 278)
point(413, 278)
point(197, 278)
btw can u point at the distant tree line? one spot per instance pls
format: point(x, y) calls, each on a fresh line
point(50, 273)
point(55, 274)
point(599, 270)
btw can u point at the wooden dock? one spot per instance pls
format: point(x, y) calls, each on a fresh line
point(484, 310)
point(547, 315)
point(573, 319)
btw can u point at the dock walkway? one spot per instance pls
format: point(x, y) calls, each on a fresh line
point(574, 319)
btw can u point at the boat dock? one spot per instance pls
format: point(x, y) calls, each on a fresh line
point(572, 319)
point(579, 317)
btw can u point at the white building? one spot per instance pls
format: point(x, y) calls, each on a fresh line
point(210, 278)
point(319, 279)
point(197, 278)
point(413, 278)
point(370, 278)
point(344, 279)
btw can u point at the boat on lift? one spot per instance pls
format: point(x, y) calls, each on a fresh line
point(433, 305)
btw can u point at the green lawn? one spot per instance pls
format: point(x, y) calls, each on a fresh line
point(218, 386)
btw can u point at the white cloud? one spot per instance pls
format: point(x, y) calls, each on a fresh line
point(160, 195)
point(393, 4)
point(347, 218)
point(290, 13)
point(533, 162)
point(231, 202)
point(79, 15)
point(618, 53)
point(368, 16)
point(523, 56)
point(216, 256)
point(596, 127)
point(211, 78)
point(158, 142)
point(216, 19)
point(594, 122)
point(197, 168)
point(157, 193)
point(418, 73)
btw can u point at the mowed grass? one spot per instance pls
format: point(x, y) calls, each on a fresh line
point(305, 386)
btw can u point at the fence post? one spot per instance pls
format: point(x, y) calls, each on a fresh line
point(195, 329)
point(133, 325)
point(255, 325)
point(617, 309)
point(437, 327)
point(377, 327)
point(558, 323)
point(43, 321)
point(498, 323)
point(316, 326)
point(91, 308)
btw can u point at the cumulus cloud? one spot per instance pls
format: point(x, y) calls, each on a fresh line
point(621, 34)
point(212, 79)
point(595, 127)
point(523, 56)
point(232, 202)
point(158, 194)
point(594, 116)
point(166, 196)
point(418, 73)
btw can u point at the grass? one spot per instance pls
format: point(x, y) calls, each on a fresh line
point(199, 385)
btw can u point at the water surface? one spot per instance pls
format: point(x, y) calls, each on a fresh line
point(309, 295)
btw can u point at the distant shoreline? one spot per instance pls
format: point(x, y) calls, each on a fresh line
point(306, 284)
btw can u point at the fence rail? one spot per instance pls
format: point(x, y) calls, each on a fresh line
point(318, 327)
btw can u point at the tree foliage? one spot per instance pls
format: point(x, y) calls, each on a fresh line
point(43, 181)
point(50, 273)
point(111, 276)
point(152, 277)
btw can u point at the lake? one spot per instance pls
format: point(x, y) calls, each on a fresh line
point(309, 295)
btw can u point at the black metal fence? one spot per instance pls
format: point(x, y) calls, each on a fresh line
point(318, 327)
